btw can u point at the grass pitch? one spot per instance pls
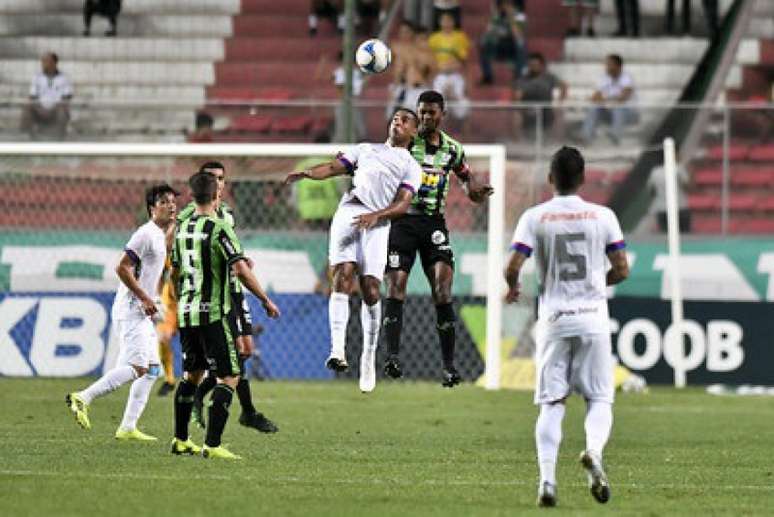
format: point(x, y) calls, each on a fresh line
point(406, 449)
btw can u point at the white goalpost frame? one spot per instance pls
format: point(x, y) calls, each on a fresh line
point(495, 230)
point(673, 232)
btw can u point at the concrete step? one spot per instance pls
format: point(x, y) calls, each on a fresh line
point(215, 26)
point(226, 7)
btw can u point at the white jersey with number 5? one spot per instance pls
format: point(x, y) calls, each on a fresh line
point(570, 239)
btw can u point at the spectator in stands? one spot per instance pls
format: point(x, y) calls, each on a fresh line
point(419, 13)
point(537, 86)
point(580, 9)
point(49, 105)
point(413, 68)
point(202, 133)
point(614, 99)
point(441, 7)
point(503, 40)
point(358, 122)
point(450, 48)
point(710, 13)
point(370, 14)
point(331, 9)
point(657, 185)
point(110, 9)
point(628, 12)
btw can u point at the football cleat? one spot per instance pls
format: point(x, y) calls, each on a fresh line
point(393, 368)
point(258, 422)
point(450, 377)
point(181, 447)
point(165, 389)
point(219, 452)
point(367, 371)
point(134, 434)
point(546, 495)
point(79, 409)
point(598, 485)
point(337, 364)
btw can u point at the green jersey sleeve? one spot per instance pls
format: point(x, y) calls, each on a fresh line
point(229, 244)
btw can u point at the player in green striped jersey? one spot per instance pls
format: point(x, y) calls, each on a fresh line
point(250, 417)
point(206, 252)
point(423, 229)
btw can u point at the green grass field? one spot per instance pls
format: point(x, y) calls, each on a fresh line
point(406, 449)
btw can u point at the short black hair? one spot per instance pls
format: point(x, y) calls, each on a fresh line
point(203, 187)
point(208, 166)
point(567, 166)
point(616, 58)
point(409, 111)
point(407, 23)
point(203, 119)
point(154, 192)
point(431, 97)
point(538, 56)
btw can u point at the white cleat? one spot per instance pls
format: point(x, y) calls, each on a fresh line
point(546, 495)
point(598, 484)
point(368, 371)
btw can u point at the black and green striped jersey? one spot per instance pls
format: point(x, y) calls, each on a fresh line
point(438, 163)
point(203, 252)
point(223, 213)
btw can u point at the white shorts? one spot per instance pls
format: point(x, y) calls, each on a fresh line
point(139, 344)
point(366, 248)
point(580, 363)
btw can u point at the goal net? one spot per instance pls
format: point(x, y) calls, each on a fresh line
point(68, 209)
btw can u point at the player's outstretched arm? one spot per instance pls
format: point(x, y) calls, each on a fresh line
point(512, 270)
point(620, 270)
point(398, 207)
point(125, 272)
point(246, 276)
point(476, 191)
point(318, 172)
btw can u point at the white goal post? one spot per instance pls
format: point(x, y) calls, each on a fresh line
point(491, 156)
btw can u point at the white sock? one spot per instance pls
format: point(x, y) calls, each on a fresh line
point(370, 318)
point(338, 315)
point(312, 21)
point(599, 422)
point(111, 381)
point(548, 436)
point(138, 398)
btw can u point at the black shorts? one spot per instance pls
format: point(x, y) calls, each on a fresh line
point(244, 321)
point(211, 347)
point(426, 234)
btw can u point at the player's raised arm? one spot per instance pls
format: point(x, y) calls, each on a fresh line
point(476, 191)
point(336, 167)
point(125, 271)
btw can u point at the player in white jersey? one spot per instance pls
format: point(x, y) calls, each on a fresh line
point(572, 241)
point(385, 178)
point(139, 271)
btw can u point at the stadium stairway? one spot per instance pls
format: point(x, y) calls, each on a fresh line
point(158, 67)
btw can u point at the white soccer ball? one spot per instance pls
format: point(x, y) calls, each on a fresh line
point(373, 56)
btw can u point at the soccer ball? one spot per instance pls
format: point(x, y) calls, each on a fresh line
point(373, 56)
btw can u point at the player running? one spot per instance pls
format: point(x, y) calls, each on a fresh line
point(205, 254)
point(423, 230)
point(386, 178)
point(571, 239)
point(250, 417)
point(139, 270)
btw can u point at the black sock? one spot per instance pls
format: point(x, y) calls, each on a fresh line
point(445, 326)
point(221, 400)
point(245, 398)
point(184, 399)
point(205, 387)
point(393, 324)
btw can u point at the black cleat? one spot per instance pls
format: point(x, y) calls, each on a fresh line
point(165, 389)
point(451, 377)
point(258, 422)
point(392, 367)
point(197, 413)
point(546, 495)
point(598, 483)
point(336, 364)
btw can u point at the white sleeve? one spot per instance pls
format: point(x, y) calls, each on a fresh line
point(614, 239)
point(350, 157)
point(626, 81)
point(67, 87)
point(524, 237)
point(34, 87)
point(137, 245)
point(412, 179)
